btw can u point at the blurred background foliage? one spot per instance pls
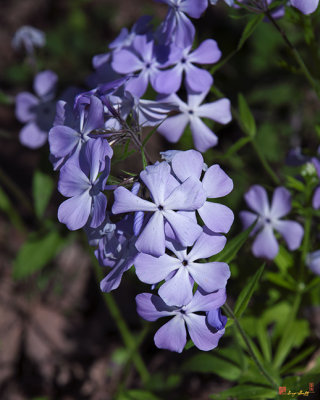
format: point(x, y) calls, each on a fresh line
point(57, 338)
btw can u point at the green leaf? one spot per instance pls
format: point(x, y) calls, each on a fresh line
point(42, 188)
point(264, 340)
point(249, 29)
point(300, 357)
point(280, 281)
point(294, 183)
point(246, 392)
point(189, 345)
point(212, 364)
point(247, 292)
point(35, 253)
point(247, 120)
point(284, 260)
point(233, 246)
point(237, 146)
point(136, 394)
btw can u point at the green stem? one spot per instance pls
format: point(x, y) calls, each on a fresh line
point(125, 333)
point(265, 163)
point(230, 314)
point(15, 190)
point(305, 243)
point(296, 55)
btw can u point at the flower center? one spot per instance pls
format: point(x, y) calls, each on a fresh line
point(184, 263)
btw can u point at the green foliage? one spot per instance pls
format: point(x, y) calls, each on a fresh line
point(247, 120)
point(246, 392)
point(247, 292)
point(137, 394)
point(42, 188)
point(249, 29)
point(36, 252)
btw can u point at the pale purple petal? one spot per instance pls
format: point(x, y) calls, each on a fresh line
point(316, 199)
point(151, 307)
point(265, 244)
point(151, 240)
point(197, 79)
point(185, 229)
point(216, 182)
point(94, 119)
point(32, 136)
point(26, 104)
point(219, 111)
point(172, 335)
point(313, 261)
point(210, 276)
point(257, 200)
point(137, 85)
point(168, 81)
point(188, 196)
point(125, 201)
point(203, 337)
point(207, 245)
point(305, 6)
point(75, 211)
point(155, 269)
point(184, 30)
point(98, 210)
point(207, 53)
point(206, 302)
point(62, 140)
point(203, 137)
point(173, 127)
point(248, 218)
point(155, 177)
point(193, 8)
point(44, 83)
point(281, 203)
point(72, 180)
point(187, 163)
point(291, 231)
point(217, 217)
point(124, 62)
point(177, 291)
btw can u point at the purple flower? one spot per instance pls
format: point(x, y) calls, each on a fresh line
point(216, 183)
point(191, 113)
point(177, 27)
point(316, 195)
point(313, 261)
point(81, 182)
point(168, 196)
point(305, 6)
point(37, 112)
point(173, 335)
point(29, 38)
point(143, 58)
point(268, 218)
point(197, 80)
point(72, 128)
point(182, 271)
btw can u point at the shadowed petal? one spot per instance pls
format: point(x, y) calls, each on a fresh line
point(152, 270)
point(316, 198)
point(151, 239)
point(207, 245)
point(98, 210)
point(124, 62)
point(291, 231)
point(177, 291)
point(168, 81)
point(206, 302)
point(265, 244)
point(173, 127)
point(257, 200)
point(197, 79)
point(151, 307)
point(219, 111)
point(75, 211)
point(44, 83)
point(26, 104)
point(62, 140)
point(185, 229)
point(201, 335)
point(203, 137)
point(172, 335)
point(207, 53)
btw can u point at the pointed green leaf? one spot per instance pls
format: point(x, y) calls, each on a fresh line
point(249, 29)
point(233, 246)
point(213, 364)
point(35, 253)
point(247, 292)
point(246, 392)
point(136, 394)
point(247, 120)
point(42, 188)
